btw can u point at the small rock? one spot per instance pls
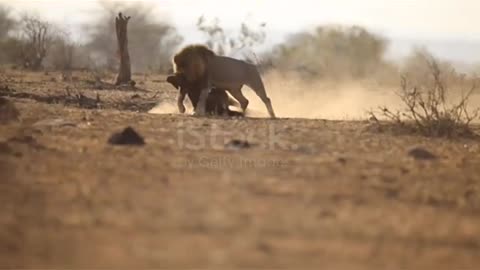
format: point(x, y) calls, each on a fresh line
point(8, 111)
point(469, 194)
point(127, 137)
point(342, 160)
point(420, 153)
point(264, 247)
point(404, 170)
point(303, 149)
point(391, 193)
point(326, 214)
point(237, 145)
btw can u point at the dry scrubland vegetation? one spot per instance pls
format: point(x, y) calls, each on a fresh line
point(390, 181)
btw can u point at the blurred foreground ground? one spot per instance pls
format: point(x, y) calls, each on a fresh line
point(324, 194)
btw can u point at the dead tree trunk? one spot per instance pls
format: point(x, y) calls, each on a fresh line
point(124, 73)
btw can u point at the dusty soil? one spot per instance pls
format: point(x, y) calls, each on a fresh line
point(301, 194)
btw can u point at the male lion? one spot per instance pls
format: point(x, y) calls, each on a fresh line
point(217, 101)
point(201, 66)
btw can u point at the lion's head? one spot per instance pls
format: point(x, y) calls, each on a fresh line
point(192, 61)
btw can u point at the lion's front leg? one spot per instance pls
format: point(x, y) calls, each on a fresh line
point(180, 99)
point(202, 101)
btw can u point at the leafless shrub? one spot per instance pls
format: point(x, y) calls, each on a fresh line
point(417, 67)
point(37, 36)
point(428, 110)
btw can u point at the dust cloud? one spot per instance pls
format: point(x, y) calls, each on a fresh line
point(293, 97)
point(164, 108)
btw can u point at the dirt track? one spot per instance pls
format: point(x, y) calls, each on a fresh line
point(329, 194)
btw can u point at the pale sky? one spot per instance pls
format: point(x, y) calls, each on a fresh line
point(449, 27)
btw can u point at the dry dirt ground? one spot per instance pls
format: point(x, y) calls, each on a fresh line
point(303, 194)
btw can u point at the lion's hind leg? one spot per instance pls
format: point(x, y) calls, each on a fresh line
point(256, 84)
point(238, 95)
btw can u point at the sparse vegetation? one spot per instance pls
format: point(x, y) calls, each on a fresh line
point(417, 66)
point(224, 44)
point(152, 41)
point(431, 108)
point(333, 52)
point(31, 42)
point(62, 56)
point(7, 24)
point(36, 37)
point(298, 192)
